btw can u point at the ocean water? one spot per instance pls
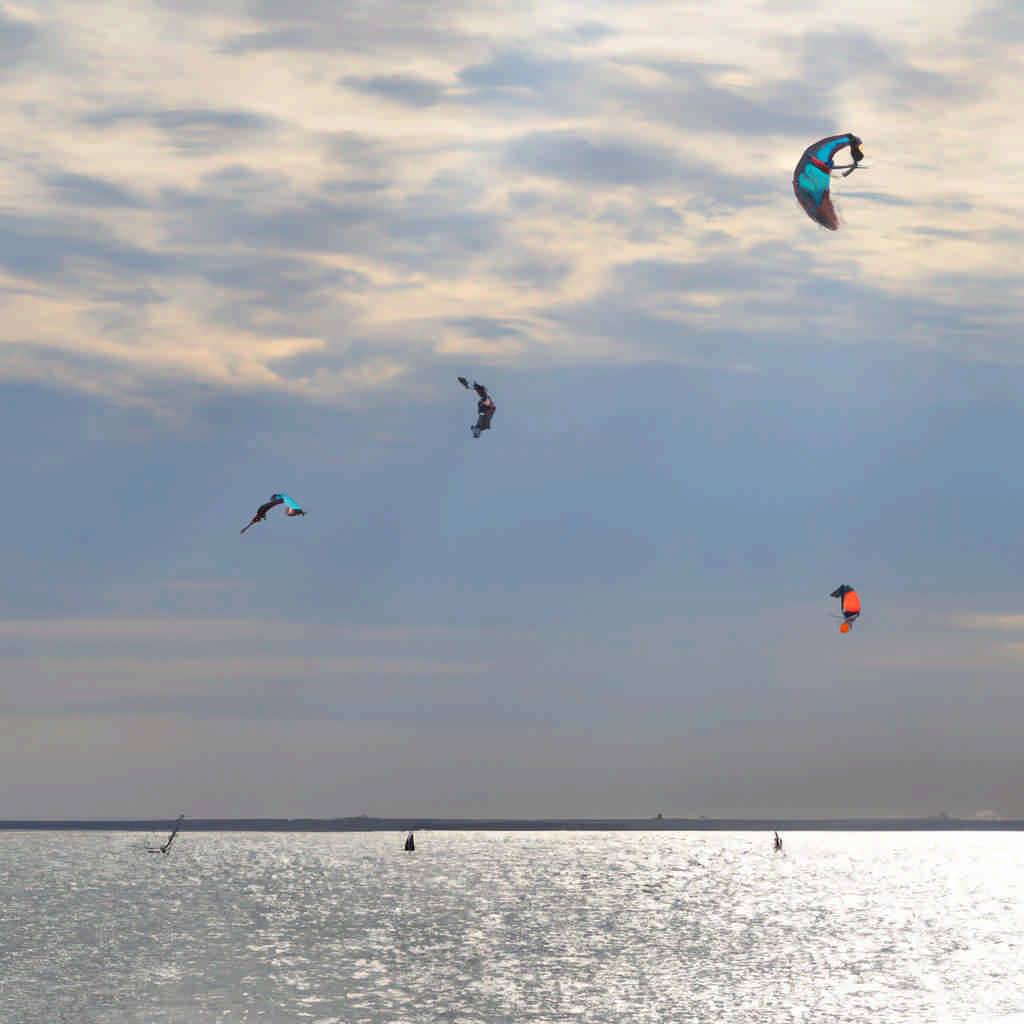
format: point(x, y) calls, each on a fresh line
point(536, 926)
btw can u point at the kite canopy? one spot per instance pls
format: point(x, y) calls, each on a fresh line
point(292, 508)
point(849, 603)
point(485, 406)
point(813, 175)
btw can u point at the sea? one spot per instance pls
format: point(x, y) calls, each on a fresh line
point(486, 927)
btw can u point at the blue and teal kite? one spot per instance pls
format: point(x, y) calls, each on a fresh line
point(813, 175)
point(292, 508)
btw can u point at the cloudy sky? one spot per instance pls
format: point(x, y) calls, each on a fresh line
point(247, 246)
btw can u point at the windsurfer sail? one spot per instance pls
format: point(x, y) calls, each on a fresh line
point(165, 848)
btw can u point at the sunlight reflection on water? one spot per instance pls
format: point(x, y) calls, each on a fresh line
point(494, 927)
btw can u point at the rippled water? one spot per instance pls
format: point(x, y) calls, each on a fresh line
point(488, 927)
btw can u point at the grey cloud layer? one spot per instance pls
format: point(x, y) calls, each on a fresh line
point(763, 288)
point(69, 248)
point(853, 58)
point(387, 27)
point(16, 39)
point(686, 97)
point(90, 192)
point(196, 131)
point(584, 148)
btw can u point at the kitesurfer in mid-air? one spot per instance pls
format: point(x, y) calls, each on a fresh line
point(484, 407)
point(292, 508)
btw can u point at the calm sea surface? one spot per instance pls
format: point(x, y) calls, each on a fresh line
point(486, 927)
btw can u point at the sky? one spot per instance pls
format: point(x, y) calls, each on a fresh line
point(248, 246)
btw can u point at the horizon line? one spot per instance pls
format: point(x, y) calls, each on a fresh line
point(368, 823)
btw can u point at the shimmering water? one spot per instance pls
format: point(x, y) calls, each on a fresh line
point(487, 927)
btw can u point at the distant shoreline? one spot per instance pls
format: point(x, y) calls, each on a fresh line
point(366, 824)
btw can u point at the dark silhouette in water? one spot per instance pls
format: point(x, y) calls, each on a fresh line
point(410, 843)
point(166, 848)
point(778, 843)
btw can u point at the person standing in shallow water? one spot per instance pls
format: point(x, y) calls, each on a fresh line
point(778, 843)
point(410, 843)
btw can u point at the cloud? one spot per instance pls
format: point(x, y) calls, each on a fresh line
point(439, 225)
point(689, 307)
point(100, 630)
point(1010, 623)
point(855, 59)
point(586, 33)
point(391, 26)
point(519, 69)
point(69, 249)
point(520, 164)
point(16, 40)
point(311, 224)
point(276, 296)
point(571, 157)
point(487, 327)
point(521, 75)
point(408, 90)
point(999, 24)
point(197, 131)
point(89, 192)
point(687, 97)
